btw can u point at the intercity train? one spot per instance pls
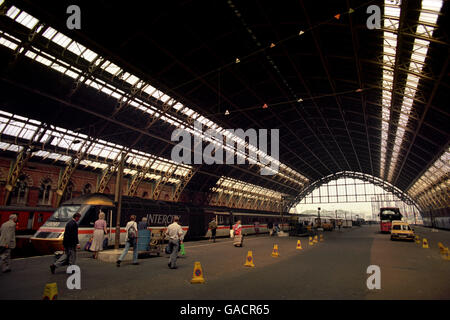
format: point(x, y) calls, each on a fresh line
point(193, 219)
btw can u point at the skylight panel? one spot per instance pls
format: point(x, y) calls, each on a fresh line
point(26, 20)
point(61, 40)
point(392, 11)
point(76, 48)
point(112, 68)
point(49, 33)
point(12, 12)
point(430, 18)
point(8, 44)
point(432, 5)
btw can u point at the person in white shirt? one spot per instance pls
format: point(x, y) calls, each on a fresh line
point(131, 231)
point(175, 234)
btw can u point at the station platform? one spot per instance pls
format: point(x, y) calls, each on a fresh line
point(333, 269)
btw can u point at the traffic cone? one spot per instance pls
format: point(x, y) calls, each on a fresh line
point(445, 255)
point(315, 239)
point(425, 243)
point(249, 260)
point(299, 245)
point(311, 242)
point(441, 247)
point(197, 276)
point(50, 291)
point(321, 238)
point(417, 239)
point(275, 252)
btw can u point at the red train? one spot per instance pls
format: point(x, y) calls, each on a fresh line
point(29, 220)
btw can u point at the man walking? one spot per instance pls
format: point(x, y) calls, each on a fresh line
point(7, 241)
point(213, 226)
point(176, 235)
point(131, 231)
point(70, 243)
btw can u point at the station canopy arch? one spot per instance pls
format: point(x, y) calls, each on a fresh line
point(347, 191)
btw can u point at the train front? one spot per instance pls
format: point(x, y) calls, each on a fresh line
point(49, 237)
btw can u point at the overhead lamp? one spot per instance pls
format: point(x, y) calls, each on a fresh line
point(300, 100)
point(301, 32)
point(265, 106)
point(227, 112)
point(237, 60)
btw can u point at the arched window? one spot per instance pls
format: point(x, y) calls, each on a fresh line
point(87, 188)
point(45, 192)
point(19, 194)
point(68, 194)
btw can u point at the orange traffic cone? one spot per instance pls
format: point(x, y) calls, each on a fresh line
point(249, 260)
point(198, 274)
point(275, 252)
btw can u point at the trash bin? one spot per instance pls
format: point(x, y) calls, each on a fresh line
point(143, 243)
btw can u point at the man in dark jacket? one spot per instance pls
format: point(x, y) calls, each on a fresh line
point(70, 243)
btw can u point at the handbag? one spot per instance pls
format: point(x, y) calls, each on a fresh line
point(105, 243)
point(88, 244)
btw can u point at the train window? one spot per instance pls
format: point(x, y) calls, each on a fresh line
point(64, 213)
point(90, 217)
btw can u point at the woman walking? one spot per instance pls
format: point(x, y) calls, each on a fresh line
point(99, 234)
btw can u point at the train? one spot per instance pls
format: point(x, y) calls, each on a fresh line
point(194, 219)
point(29, 220)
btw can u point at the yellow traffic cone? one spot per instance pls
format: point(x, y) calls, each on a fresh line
point(445, 255)
point(275, 252)
point(299, 245)
point(321, 238)
point(311, 242)
point(441, 247)
point(249, 260)
point(197, 276)
point(50, 291)
point(315, 239)
point(417, 239)
point(425, 243)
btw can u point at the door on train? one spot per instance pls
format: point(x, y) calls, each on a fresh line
point(197, 225)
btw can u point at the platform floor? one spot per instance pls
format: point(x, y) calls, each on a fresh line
point(333, 269)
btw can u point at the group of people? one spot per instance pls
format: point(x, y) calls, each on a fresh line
point(174, 234)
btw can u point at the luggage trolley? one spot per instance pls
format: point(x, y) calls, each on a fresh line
point(150, 242)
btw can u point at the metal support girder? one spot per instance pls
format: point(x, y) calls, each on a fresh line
point(163, 181)
point(70, 169)
point(184, 181)
point(22, 158)
point(137, 178)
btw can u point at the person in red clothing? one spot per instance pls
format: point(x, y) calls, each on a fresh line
point(237, 229)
